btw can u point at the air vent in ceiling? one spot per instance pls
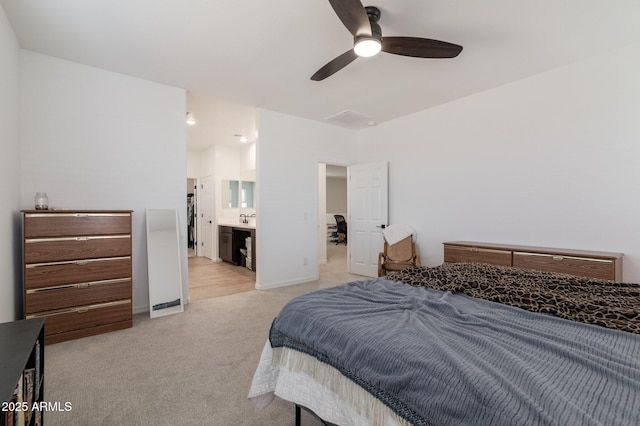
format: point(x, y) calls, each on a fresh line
point(351, 120)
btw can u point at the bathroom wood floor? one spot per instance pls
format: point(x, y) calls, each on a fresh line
point(209, 279)
point(214, 279)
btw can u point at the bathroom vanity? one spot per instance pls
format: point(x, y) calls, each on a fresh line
point(234, 246)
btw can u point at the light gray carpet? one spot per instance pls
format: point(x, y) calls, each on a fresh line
point(192, 368)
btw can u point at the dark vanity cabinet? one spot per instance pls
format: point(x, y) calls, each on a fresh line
point(233, 246)
point(226, 243)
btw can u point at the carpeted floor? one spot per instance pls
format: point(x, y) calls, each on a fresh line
point(193, 368)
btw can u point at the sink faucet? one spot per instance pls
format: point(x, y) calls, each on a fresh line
point(245, 218)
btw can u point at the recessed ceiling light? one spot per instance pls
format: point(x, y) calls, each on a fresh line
point(191, 120)
point(242, 139)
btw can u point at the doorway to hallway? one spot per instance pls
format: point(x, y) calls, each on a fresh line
point(332, 200)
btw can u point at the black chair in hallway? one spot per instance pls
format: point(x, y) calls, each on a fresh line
point(342, 228)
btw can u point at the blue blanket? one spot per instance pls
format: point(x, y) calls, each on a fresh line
point(437, 358)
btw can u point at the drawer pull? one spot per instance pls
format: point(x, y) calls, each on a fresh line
point(481, 250)
point(79, 215)
point(83, 309)
point(79, 285)
point(92, 238)
point(559, 257)
point(78, 262)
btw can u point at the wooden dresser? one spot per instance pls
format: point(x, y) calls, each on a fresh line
point(77, 271)
point(592, 264)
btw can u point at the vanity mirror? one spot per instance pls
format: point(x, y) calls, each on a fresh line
point(247, 195)
point(248, 191)
point(230, 191)
point(241, 193)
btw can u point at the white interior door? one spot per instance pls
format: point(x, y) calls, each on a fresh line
point(368, 212)
point(206, 214)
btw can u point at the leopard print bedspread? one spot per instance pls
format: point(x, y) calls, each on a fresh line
point(605, 303)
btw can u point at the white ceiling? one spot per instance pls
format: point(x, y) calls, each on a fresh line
point(232, 56)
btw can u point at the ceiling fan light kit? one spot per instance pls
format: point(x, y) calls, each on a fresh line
point(362, 23)
point(367, 47)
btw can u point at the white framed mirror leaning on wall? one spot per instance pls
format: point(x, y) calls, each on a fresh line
point(163, 258)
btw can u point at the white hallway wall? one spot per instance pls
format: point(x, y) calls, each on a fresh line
point(93, 139)
point(337, 202)
point(322, 212)
point(551, 160)
point(10, 222)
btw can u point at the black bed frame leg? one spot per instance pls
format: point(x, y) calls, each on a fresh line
point(299, 416)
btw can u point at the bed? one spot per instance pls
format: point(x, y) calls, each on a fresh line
point(461, 343)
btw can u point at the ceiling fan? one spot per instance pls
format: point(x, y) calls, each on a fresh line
point(362, 22)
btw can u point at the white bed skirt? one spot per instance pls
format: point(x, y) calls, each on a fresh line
point(302, 379)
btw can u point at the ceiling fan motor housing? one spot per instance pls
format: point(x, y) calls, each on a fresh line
point(373, 13)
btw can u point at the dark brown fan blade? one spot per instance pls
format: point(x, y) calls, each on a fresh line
point(334, 66)
point(420, 47)
point(353, 16)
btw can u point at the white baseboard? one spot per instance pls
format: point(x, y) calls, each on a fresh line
point(269, 286)
point(140, 309)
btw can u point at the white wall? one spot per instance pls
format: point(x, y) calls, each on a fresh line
point(322, 212)
point(10, 222)
point(247, 157)
point(94, 139)
point(288, 152)
point(551, 161)
point(193, 164)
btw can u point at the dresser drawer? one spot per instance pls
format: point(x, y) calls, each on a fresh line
point(70, 224)
point(73, 248)
point(86, 317)
point(59, 273)
point(464, 254)
point(581, 266)
point(57, 298)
